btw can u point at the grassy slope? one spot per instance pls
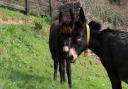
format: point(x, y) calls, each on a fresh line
point(6, 12)
point(25, 61)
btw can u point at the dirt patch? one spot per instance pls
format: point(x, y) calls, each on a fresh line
point(12, 20)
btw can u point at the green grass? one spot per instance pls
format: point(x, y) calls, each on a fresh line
point(23, 58)
point(11, 14)
point(26, 63)
point(6, 12)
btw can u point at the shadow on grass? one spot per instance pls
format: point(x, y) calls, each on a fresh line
point(29, 81)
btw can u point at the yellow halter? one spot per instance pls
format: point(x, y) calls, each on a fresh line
point(87, 39)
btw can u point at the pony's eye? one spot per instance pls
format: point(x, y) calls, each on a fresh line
point(78, 38)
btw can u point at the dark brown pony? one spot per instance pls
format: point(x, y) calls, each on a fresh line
point(59, 44)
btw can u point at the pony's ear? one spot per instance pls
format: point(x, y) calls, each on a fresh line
point(81, 15)
point(95, 25)
point(71, 15)
point(60, 18)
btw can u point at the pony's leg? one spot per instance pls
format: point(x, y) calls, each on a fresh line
point(69, 72)
point(115, 81)
point(112, 72)
point(55, 69)
point(61, 71)
point(63, 64)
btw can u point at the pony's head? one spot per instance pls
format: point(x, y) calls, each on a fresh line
point(75, 34)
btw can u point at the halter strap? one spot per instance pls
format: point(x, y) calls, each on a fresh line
point(88, 35)
point(87, 38)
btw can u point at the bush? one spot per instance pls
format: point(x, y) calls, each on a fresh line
point(41, 23)
point(38, 23)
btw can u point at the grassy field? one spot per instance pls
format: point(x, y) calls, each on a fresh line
point(25, 60)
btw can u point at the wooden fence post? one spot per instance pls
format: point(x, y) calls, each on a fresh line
point(26, 7)
point(50, 8)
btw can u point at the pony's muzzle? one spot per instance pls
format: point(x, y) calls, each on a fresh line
point(72, 55)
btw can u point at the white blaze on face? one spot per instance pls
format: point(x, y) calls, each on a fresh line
point(66, 49)
point(72, 52)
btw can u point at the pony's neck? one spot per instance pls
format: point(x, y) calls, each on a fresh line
point(95, 44)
